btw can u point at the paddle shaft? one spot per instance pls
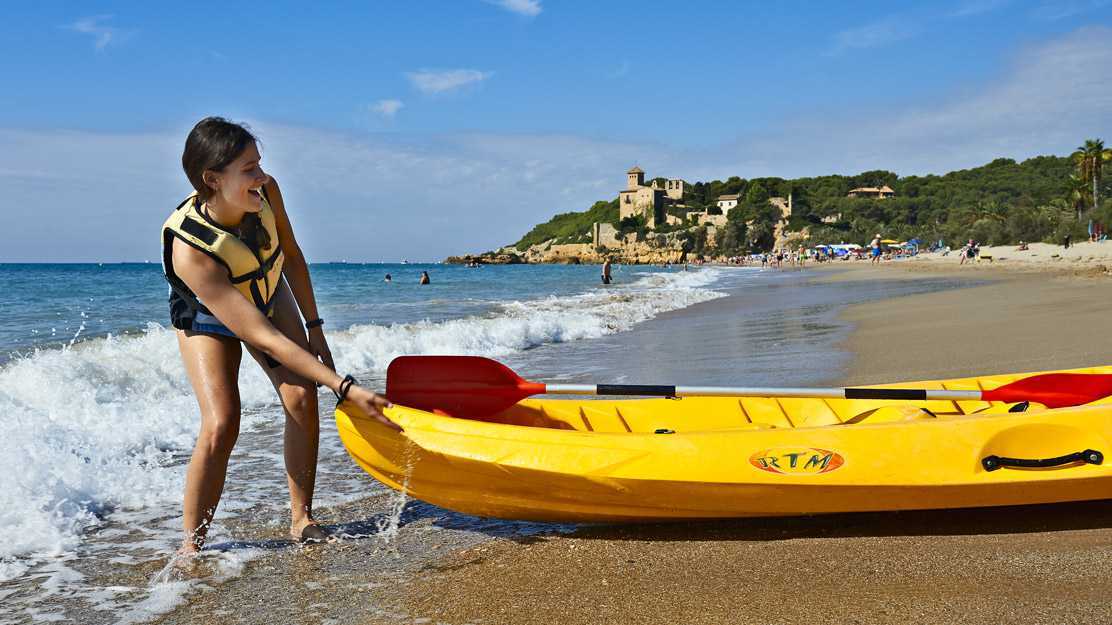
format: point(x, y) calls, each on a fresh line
point(475, 386)
point(653, 390)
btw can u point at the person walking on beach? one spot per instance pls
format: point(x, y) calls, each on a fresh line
point(606, 271)
point(969, 252)
point(1066, 241)
point(424, 278)
point(237, 277)
point(875, 246)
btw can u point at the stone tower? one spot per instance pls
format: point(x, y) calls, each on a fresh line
point(636, 178)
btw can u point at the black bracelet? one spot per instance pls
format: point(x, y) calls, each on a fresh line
point(345, 386)
point(315, 323)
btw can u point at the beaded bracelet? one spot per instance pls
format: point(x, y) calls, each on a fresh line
point(315, 323)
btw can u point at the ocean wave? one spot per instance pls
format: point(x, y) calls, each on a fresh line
point(102, 427)
point(520, 325)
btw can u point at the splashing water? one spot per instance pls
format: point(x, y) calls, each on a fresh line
point(388, 525)
point(98, 427)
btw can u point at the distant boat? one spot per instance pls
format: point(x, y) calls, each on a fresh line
point(405, 262)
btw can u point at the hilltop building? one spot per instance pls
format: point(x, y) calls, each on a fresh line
point(878, 193)
point(726, 202)
point(648, 201)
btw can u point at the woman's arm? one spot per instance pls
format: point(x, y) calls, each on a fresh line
point(296, 270)
point(209, 281)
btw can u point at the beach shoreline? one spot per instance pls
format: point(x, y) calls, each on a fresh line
point(1031, 564)
point(1015, 565)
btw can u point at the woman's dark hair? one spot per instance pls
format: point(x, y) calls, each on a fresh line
point(212, 144)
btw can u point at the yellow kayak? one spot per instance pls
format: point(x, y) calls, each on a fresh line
point(719, 457)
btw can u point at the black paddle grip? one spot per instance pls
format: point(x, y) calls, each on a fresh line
point(636, 389)
point(886, 393)
point(1089, 456)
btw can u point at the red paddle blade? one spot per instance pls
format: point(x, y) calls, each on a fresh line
point(1056, 390)
point(464, 386)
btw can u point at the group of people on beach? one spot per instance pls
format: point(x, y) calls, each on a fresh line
point(774, 259)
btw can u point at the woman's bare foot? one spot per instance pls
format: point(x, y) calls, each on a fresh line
point(307, 531)
point(179, 567)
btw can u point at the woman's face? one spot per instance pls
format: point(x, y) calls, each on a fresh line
point(238, 185)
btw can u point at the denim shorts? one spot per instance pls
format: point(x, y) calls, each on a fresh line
point(208, 324)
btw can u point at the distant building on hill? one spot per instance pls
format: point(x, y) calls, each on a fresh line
point(878, 193)
point(637, 199)
point(726, 202)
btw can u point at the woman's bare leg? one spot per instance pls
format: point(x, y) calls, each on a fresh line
point(212, 363)
point(299, 399)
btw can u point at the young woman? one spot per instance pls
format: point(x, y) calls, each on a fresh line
point(237, 275)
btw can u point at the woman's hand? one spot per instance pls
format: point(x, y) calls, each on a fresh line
point(318, 346)
point(371, 404)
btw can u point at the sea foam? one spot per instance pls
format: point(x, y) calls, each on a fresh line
point(102, 429)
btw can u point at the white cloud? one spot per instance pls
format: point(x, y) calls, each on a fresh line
point(968, 8)
point(385, 197)
point(350, 196)
point(387, 108)
point(874, 34)
point(1050, 98)
point(434, 81)
point(102, 35)
point(1060, 9)
point(529, 8)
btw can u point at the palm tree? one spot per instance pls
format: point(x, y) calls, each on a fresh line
point(991, 209)
point(1090, 160)
point(1078, 194)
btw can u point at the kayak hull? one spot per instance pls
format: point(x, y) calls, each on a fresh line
point(702, 458)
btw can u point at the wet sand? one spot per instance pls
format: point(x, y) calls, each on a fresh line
point(1034, 564)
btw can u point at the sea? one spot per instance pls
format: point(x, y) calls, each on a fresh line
point(97, 417)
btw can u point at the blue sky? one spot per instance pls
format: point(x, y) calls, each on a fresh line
point(421, 129)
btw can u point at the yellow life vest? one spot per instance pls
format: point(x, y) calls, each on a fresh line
point(254, 270)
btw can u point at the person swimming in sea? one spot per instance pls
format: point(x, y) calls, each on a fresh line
point(239, 279)
point(424, 278)
point(388, 278)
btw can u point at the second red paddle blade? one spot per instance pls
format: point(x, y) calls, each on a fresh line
point(1055, 390)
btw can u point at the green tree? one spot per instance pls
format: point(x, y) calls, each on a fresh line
point(634, 223)
point(1090, 159)
point(756, 194)
point(731, 239)
point(1078, 194)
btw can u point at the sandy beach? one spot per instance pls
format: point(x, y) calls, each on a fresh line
point(1032, 564)
point(1036, 564)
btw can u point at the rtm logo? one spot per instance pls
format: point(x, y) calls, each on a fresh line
point(797, 460)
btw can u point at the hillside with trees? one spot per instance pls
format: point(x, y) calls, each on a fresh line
point(1002, 202)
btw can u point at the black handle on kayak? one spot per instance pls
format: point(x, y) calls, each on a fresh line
point(1089, 456)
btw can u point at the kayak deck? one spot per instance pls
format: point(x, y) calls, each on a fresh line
point(712, 457)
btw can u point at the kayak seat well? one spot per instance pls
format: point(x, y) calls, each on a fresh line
point(890, 414)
